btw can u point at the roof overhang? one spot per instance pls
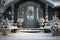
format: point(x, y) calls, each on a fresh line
point(12, 2)
point(52, 3)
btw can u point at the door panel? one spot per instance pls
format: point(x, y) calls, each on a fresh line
point(30, 16)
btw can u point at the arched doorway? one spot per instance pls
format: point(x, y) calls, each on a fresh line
point(31, 12)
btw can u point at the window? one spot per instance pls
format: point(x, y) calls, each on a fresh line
point(30, 12)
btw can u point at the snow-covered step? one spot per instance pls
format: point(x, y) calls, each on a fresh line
point(31, 30)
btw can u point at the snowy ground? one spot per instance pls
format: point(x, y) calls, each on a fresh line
point(30, 36)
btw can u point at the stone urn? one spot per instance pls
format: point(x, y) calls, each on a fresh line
point(41, 22)
point(20, 22)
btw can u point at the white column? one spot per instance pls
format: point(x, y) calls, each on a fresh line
point(37, 13)
point(46, 13)
point(12, 6)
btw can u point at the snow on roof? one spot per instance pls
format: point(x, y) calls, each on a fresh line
point(56, 3)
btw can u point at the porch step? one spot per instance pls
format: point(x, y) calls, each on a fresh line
point(31, 30)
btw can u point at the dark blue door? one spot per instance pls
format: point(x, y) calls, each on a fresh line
point(30, 17)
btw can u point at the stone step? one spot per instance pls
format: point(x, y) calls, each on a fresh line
point(31, 30)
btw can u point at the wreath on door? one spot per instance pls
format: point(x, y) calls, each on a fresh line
point(30, 12)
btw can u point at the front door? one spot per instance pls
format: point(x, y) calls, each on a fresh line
point(30, 17)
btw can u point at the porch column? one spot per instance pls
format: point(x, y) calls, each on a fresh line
point(46, 12)
point(12, 7)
